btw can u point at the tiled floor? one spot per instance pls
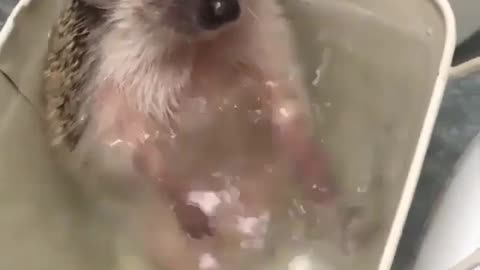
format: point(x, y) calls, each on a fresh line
point(458, 122)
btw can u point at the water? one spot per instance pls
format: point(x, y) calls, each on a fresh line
point(367, 99)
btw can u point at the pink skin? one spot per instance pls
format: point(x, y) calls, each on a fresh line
point(254, 188)
point(215, 132)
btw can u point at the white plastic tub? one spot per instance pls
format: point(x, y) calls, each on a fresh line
point(379, 68)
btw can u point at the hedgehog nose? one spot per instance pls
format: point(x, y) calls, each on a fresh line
point(215, 13)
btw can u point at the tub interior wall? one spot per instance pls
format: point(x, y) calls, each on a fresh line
point(371, 67)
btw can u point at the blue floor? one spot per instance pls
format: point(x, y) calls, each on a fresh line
point(458, 123)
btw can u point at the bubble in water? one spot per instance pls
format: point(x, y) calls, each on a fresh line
point(301, 262)
point(206, 200)
point(207, 261)
point(326, 58)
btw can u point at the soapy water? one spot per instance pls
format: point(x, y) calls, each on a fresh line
point(229, 195)
point(235, 200)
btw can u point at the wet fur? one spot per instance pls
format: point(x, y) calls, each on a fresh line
point(156, 68)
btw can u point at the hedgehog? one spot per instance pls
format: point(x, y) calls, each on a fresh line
point(201, 101)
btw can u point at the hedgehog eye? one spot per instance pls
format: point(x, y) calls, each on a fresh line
point(214, 13)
